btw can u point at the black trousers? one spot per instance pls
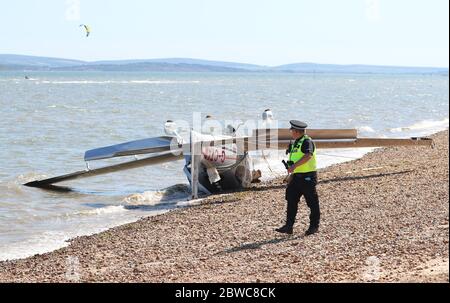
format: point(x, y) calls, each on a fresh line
point(303, 185)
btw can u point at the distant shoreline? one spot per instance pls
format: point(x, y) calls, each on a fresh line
point(174, 72)
point(21, 63)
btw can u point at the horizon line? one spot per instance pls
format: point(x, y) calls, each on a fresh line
point(226, 61)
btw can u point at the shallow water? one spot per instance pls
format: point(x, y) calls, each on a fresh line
point(48, 122)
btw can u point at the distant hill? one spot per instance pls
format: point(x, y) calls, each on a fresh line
point(149, 67)
point(356, 69)
point(185, 61)
point(31, 63)
point(20, 61)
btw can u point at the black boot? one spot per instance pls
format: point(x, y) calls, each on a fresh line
point(217, 186)
point(285, 230)
point(311, 230)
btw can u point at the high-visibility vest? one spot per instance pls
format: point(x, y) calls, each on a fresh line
point(296, 155)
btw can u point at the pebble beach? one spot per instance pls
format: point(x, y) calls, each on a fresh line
point(385, 218)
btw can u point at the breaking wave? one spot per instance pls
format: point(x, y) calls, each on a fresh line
point(119, 82)
point(169, 195)
point(366, 129)
point(425, 126)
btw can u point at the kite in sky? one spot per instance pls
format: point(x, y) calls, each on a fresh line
point(87, 28)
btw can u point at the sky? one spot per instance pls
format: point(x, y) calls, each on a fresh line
point(265, 32)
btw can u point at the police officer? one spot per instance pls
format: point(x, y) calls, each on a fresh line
point(303, 167)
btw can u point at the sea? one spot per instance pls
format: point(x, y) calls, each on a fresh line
point(49, 120)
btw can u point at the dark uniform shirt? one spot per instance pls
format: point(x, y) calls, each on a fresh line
point(308, 147)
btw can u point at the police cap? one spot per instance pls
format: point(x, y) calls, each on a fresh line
point(295, 124)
